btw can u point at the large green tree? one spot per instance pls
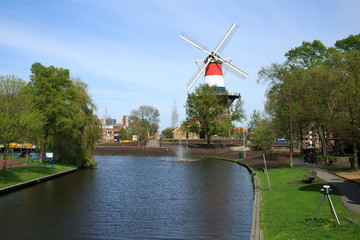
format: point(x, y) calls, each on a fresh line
point(19, 121)
point(347, 98)
point(282, 98)
point(71, 128)
point(50, 87)
point(317, 88)
point(315, 108)
point(212, 110)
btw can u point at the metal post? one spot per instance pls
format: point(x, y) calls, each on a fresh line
point(267, 175)
point(244, 144)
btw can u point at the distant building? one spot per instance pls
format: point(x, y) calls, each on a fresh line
point(108, 121)
point(178, 133)
point(110, 130)
point(125, 121)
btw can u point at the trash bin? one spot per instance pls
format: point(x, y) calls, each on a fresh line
point(240, 155)
point(352, 162)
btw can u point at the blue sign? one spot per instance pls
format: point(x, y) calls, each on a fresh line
point(49, 155)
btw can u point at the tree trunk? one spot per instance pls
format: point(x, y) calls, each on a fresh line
point(356, 163)
point(291, 149)
point(6, 153)
point(324, 144)
point(301, 139)
point(291, 131)
point(208, 138)
point(42, 149)
point(300, 143)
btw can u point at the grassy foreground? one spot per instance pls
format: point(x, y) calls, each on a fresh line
point(287, 209)
point(31, 171)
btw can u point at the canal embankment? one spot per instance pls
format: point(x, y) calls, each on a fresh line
point(35, 181)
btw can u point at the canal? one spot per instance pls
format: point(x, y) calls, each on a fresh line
point(134, 198)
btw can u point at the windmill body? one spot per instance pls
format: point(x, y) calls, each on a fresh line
point(214, 76)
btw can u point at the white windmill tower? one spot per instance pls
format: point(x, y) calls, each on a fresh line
point(213, 65)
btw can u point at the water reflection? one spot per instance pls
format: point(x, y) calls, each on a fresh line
point(135, 198)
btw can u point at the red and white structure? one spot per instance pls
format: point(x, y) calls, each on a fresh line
point(213, 64)
point(214, 75)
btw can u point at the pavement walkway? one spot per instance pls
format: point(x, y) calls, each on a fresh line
point(349, 191)
point(11, 163)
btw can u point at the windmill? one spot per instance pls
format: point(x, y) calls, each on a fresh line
point(212, 65)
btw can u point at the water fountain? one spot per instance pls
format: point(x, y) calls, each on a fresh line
point(180, 151)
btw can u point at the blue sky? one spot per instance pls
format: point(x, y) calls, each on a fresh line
point(129, 52)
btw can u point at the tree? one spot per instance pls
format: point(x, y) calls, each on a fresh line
point(123, 134)
point(307, 55)
point(49, 87)
point(144, 121)
point(212, 110)
point(174, 116)
point(319, 87)
point(264, 134)
point(282, 96)
point(167, 133)
point(347, 100)
point(18, 120)
point(315, 105)
point(351, 43)
point(255, 118)
point(71, 128)
point(89, 126)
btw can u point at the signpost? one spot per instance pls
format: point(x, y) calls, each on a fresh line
point(49, 155)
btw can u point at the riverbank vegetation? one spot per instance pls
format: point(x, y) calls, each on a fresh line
point(33, 170)
point(287, 209)
point(53, 111)
point(316, 89)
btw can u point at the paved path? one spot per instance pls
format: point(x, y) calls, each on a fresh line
point(11, 163)
point(153, 143)
point(349, 191)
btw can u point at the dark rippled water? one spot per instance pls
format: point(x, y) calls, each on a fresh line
point(134, 198)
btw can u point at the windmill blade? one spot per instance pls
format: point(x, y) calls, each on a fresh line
point(236, 73)
point(224, 38)
point(198, 73)
point(234, 70)
point(197, 64)
point(227, 67)
point(194, 43)
point(227, 40)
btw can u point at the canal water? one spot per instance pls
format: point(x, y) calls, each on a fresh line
point(134, 198)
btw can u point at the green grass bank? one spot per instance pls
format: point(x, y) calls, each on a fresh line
point(33, 170)
point(287, 209)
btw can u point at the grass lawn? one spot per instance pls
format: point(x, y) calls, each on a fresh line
point(287, 209)
point(31, 171)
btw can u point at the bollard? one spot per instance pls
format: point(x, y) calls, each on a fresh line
point(352, 162)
